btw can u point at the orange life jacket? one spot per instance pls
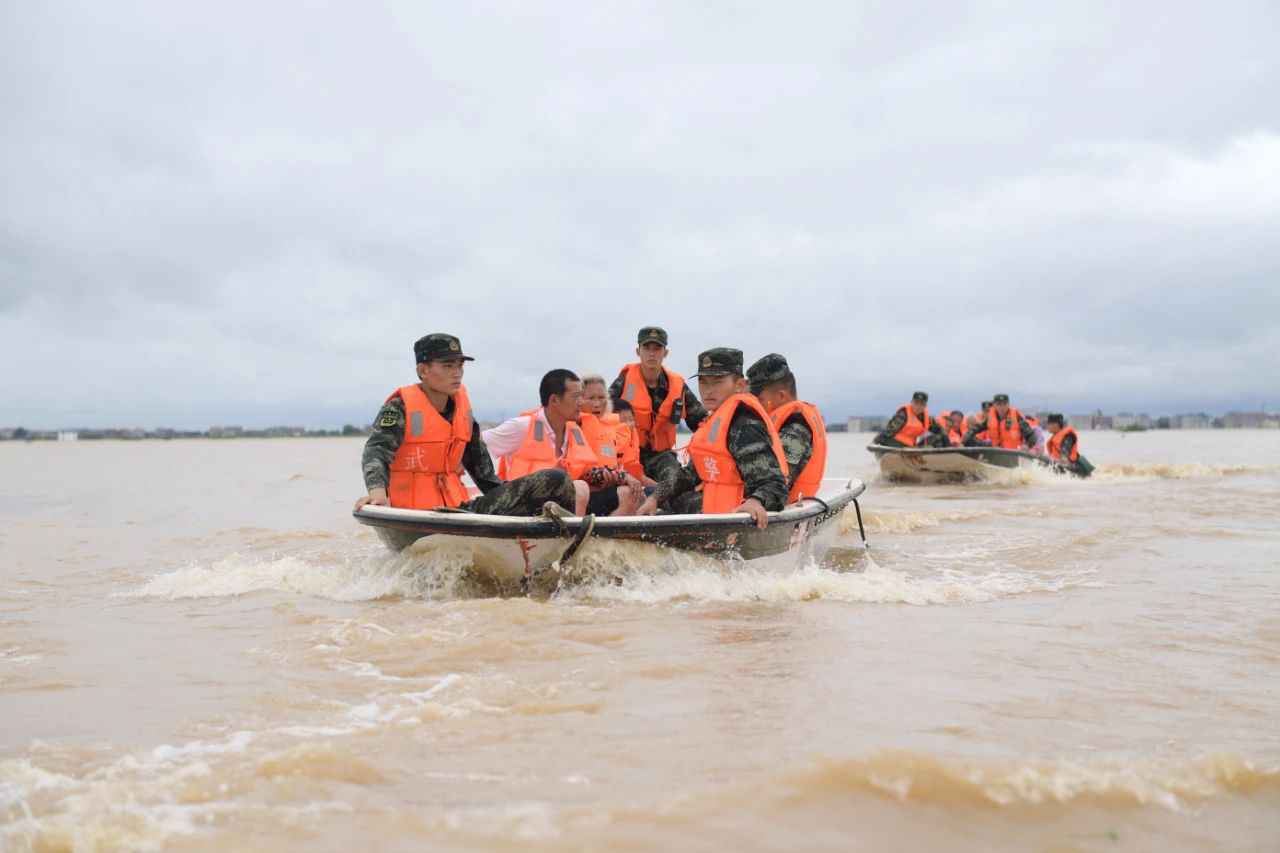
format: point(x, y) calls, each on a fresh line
point(425, 470)
point(600, 432)
point(656, 429)
point(722, 484)
point(955, 435)
point(1004, 432)
point(627, 442)
point(538, 452)
point(1055, 444)
point(809, 481)
point(914, 427)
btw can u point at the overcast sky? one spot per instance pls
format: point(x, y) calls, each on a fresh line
point(246, 212)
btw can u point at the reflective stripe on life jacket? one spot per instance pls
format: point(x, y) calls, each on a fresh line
point(538, 451)
point(722, 484)
point(809, 481)
point(656, 429)
point(599, 431)
point(424, 472)
point(1055, 445)
point(1004, 432)
point(914, 427)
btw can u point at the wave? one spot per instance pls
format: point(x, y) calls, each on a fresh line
point(911, 521)
point(1170, 471)
point(875, 584)
point(1108, 782)
point(436, 574)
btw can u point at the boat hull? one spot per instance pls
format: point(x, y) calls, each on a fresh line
point(507, 550)
point(953, 464)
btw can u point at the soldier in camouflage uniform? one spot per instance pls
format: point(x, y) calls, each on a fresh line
point(765, 376)
point(661, 466)
point(749, 443)
point(1000, 402)
point(937, 432)
point(524, 496)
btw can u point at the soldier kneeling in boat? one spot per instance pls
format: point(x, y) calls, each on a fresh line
point(424, 437)
point(911, 426)
point(735, 454)
point(800, 426)
point(1064, 446)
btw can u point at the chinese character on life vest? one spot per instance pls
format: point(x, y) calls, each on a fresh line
point(713, 472)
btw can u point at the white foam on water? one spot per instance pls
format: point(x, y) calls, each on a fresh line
point(876, 584)
point(410, 574)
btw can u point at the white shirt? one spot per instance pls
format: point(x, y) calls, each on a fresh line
point(506, 438)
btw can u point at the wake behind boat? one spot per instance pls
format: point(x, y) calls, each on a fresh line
point(507, 550)
point(952, 464)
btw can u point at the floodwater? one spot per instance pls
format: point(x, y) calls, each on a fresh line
point(200, 650)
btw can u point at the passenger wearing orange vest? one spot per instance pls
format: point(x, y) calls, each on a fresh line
point(911, 426)
point(800, 426)
point(627, 441)
point(955, 423)
point(735, 455)
point(660, 399)
point(552, 437)
point(1005, 427)
point(980, 437)
point(1064, 446)
point(424, 436)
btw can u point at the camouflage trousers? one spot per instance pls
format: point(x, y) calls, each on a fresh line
point(664, 469)
point(690, 503)
point(526, 495)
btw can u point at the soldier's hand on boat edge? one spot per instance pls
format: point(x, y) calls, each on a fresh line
point(377, 497)
point(756, 510)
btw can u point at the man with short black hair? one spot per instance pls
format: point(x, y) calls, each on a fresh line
point(424, 436)
point(911, 426)
point(550, 437)
point(660, 399)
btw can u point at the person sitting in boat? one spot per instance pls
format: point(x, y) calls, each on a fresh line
point(660, 399)
point(627, 442)
point(550, 437)
point(599, 425)
point(1005, 427)
point(911, 426)
point(980, 437)
point(800, 425)
point(424, 436)
point(955, 423)
point(1038, 445)
point(1064, 446)
point(735, 454)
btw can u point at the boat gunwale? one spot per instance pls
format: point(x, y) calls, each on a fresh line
point(466, 524)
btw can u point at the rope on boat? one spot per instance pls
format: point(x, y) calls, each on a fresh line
point(862, 531)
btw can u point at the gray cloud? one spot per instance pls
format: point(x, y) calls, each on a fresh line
point(248, 213)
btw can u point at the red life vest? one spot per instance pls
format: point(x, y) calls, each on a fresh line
point(424, 472)
point(809, 481)
point(722, 484)
point(656, 429)
point(538, 452)
point(914, 427)
point(1055, 445)
point(1004, 432)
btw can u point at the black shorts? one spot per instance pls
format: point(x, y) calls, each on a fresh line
point(603, 502)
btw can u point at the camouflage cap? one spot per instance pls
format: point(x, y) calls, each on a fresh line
point(721, 361)
point(920, 397)
point(768, 370)
point(652, 334)
point(1000, 398)
point(438, 346)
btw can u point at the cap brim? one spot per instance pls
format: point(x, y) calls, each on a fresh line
point(644, 341)
point(712, 373)
point(453, 356)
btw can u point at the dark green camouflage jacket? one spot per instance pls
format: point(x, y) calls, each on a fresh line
point(388, 434)
point(749, 444)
